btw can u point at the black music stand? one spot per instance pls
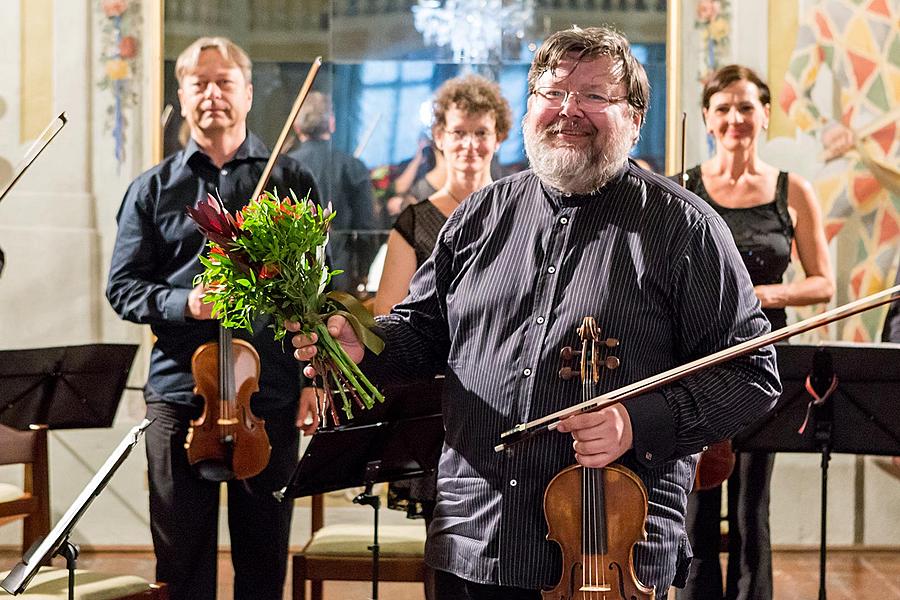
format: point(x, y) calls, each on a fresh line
point(851, 405)
point(64, 388)
point(400, 439)
point(56, 543)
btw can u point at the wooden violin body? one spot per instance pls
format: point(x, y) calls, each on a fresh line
point(596, 515)
point(596, 568)
point(227, 441)
point(715, 466)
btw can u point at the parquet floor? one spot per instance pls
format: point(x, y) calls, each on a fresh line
point(851, 575)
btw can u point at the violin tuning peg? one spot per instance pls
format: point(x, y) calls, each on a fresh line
point(612, 362)
point(611, 342)
point(567, 353)
point(567, 373)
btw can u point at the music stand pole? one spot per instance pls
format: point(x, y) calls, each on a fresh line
point(824, 419)
point(373, 500)
point(69, 551)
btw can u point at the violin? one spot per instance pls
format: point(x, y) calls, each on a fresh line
point(228, 441)
point(596, 515)
point(715, 466)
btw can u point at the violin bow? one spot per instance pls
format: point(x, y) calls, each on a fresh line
point(366, 136)
point(683, 133)
point(298, 102)
point(42, 141)
point(549, 422)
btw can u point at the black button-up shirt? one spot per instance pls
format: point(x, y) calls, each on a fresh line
point(515, 270)
point(155, 260)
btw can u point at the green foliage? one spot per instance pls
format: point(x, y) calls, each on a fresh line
point(271, 261)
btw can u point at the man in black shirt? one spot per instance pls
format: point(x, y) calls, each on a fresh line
point(344, 182)
point(151, 282)
point(584, 232)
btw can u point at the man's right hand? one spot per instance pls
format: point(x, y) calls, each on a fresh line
point(196, 308)
point(340, 330)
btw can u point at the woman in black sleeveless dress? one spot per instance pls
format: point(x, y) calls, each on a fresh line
point(768, 212)
point(471, 119)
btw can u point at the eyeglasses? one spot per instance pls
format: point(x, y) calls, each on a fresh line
point(588, 101)
point(479, 135)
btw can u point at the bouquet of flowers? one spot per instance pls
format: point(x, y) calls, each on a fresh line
point(269, 259)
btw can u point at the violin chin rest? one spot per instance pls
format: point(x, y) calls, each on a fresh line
point(213, 470)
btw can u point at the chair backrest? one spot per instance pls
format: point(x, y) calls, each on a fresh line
point(32, 505)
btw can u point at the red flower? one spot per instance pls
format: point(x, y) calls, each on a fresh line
point(215, 222)
point(114, 8)
point(128, 47)
point(268, 271)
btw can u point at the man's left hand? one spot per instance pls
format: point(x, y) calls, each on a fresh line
point(599, 437)
point(308, 410)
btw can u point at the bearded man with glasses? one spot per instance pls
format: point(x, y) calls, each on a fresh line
point(585, 232)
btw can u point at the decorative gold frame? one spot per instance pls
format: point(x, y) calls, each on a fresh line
point(673, 84)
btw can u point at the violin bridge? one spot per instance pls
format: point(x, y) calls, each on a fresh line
point(593, 587)
point(226, 422)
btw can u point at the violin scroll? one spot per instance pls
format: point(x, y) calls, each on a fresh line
point(571, 359)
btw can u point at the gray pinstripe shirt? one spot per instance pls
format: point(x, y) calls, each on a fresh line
point(515, 270)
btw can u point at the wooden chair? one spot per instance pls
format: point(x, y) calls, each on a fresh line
point(340, 552)
point(31, 503)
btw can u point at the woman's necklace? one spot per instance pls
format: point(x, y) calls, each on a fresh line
point(453, 196)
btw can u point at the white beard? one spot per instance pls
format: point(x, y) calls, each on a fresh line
point(575, 170)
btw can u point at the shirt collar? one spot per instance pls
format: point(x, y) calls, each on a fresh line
point(251, 148)
point(560, 199)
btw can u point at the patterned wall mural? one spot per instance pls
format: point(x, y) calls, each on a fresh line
point(853, 48)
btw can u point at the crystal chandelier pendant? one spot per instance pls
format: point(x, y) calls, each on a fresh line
point(473, 29)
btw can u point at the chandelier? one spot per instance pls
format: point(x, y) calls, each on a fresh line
point(473, 29)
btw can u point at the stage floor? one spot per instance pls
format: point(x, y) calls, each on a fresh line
point(851, 574)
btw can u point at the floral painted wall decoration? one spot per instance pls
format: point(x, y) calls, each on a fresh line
point(713, 21)
point(119, 51)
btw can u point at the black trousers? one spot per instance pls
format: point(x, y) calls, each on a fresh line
point(450, 587)
point(184, 511)
point(749, 575)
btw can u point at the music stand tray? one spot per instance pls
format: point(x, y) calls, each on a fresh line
point(866, 403)
point(399, 439)
point(838, 397)
point(65, 387)
point(405, 434)
point(57, 541)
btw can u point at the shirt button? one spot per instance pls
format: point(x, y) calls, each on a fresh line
point(551, 269)
point(540, 320)
point(705, 448)
point(224, 171)
point(564, 220)
point(526, 372)
point(649, 456)
point(513, 483)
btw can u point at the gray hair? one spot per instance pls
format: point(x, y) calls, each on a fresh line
point(588, 44)
point(314, 118)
